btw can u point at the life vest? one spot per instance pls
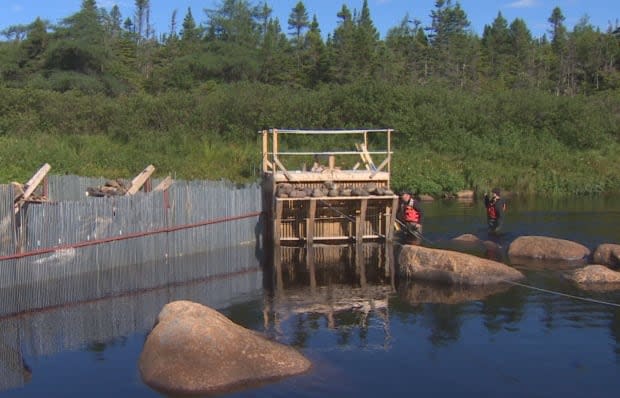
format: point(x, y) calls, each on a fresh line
point(491, 212)
point(411, 214)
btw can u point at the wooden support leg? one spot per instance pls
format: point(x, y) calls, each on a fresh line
point(361, 221)
point(310, 222)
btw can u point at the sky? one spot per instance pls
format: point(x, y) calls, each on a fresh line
point(385, 14)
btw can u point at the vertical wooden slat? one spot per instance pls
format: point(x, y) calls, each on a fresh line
point(389, 233)
point(277, 221)
point(361, 221)
point(310, 222)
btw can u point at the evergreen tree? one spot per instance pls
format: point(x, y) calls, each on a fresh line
point(298, 21)
point(522, 48)
point(343, 48)
point(454, 49)
point(366, 43)
point(496, 44)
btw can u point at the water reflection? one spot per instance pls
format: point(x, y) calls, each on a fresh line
point(75, 318)
point(348, 291)
point(342, 288)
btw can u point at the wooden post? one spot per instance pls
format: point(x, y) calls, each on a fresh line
point(30, 186)
point(277, 222)
point(310, 222)
point(389, 232)
point(331, 162)
point(389, 154)
point(361, 222)
point(140, 180)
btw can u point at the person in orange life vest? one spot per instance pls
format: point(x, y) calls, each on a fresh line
point(410, 213)
point(495, 206)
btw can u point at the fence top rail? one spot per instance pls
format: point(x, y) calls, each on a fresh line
point(335, 132)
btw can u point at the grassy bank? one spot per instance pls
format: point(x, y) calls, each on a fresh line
point(446, 140)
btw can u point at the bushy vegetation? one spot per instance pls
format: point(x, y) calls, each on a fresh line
point(95, 98)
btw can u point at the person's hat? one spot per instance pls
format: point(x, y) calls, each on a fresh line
point(496, 191)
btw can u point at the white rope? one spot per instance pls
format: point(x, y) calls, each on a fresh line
point(564, 294)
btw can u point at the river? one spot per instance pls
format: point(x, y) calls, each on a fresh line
point(367, 332)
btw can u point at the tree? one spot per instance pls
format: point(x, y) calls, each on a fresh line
point(342, 46)
point(559, 45)
point(298, 21)
point(366, 42)
point(190, 33)
point(453, 46)
point(409, 45)
point(496, 46)
point(80, 44)
point(521, 46)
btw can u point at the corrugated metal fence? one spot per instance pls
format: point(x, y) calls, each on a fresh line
point(76, 248)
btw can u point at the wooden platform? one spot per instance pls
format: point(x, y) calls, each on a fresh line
point(327, 202)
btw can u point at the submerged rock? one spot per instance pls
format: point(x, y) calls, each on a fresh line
point(546, 248)
point(595, 277)
point(425, 292)
point(607, 254)
point(417, 262)
point(194, 349)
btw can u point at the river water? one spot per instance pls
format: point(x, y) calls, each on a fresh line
point(367, 332)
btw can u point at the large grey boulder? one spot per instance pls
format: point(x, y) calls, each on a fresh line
point(546, 248)
point(445, 266)
point(607, 254)
point(595, 277)
point(194, 349)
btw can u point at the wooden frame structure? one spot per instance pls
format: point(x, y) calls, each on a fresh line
point(331, 202)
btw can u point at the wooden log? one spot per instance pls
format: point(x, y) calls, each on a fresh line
point(31, 185)
point(165, 184)
point(140, 179)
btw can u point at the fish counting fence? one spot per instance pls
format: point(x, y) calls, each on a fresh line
point(93, 247)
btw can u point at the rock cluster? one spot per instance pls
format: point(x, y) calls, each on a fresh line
point(330, 189)
point(116, 187)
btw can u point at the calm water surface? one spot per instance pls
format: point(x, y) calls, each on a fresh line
point(367, 333)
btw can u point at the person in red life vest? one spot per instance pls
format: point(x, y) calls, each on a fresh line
point(496, 207)
point(410, 214)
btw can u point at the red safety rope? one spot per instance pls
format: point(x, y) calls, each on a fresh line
point(127, 236)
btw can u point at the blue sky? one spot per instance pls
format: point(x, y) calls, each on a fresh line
point(384, 13)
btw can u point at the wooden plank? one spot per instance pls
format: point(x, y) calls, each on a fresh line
point(277, 221)
point(310, 222)
point(359, 149)
point(281, 166)
point(140, 179)
point(368, 158)
point(165, 184)
point(30, 186)
point(389, 233)
point(36, 179)
point(361, 221)
point(381, 166)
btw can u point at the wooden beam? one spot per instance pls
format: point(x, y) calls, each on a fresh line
point(277, 222)
point(389, 228)
point(310, 222)
point(368, 158)
point(359, 149)
point(381, 166)
point(140, 179)
point(361, 221)
point(31, 185)
point(165, 184)
point(284, 170)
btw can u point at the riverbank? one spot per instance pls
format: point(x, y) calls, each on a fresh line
point(446, 140)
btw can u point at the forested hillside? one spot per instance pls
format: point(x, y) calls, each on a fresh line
point(102, 94)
